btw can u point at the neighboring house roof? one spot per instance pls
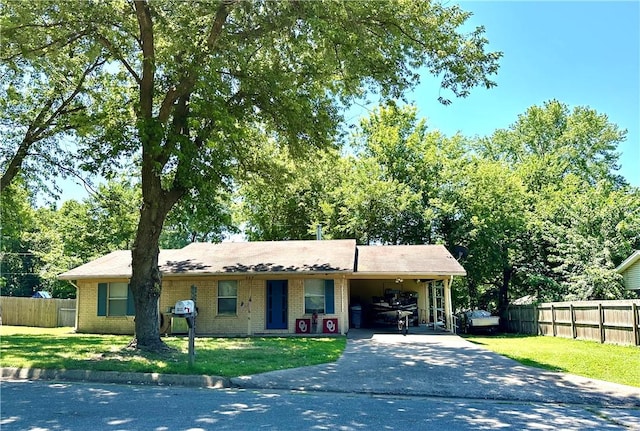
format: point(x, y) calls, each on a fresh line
point(283, 257)
point(408, 260)
point(635, 256)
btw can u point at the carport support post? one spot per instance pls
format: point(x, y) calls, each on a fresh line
point(447, 304)
point(424, 297)
point(435, 305)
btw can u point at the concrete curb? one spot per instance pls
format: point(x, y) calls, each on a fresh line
point(213, 382)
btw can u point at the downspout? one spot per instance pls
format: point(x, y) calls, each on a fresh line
point(77, 302)
point(344, 315)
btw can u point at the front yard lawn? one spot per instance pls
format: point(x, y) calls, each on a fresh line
point(60, 348)
point(612, 363)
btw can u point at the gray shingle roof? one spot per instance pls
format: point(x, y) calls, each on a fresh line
point(304, 257)
point(418, 260)
point(232, 257)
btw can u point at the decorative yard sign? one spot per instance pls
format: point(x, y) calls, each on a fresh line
point(330, 326)
point(303, 326)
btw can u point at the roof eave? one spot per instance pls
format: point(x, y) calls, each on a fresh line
point(92, 276)
point(253, 273)
point(408, 275)
point(628, 262)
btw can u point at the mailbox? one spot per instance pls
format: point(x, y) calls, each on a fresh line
point(184, 308)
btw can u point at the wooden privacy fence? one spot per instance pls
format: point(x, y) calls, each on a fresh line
point(40, 312)
point(613, 322)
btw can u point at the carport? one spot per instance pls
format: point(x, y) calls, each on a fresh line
point(420, 273)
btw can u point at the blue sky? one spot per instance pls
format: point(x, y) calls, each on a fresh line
point(579, 53)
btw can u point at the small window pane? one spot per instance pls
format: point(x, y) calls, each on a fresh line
point(314, 304)
point(118, 290)
point(117, 307)
point(314, 296)
point(228, 288)
point(227, 306)
point(228, 297)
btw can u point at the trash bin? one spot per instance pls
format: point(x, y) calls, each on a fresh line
point(356, 316)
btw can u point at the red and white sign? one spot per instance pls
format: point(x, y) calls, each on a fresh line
point(330, 326)
point(303, 326)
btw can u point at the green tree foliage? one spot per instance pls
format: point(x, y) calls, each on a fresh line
point(41, 243)
point(283, 201)
point(186, 85)
point(538, 205)
point(549, 142)
point(17, 273)
point(368, 205)
point(579, 211)
point(46, 71)
point(492, 211)
point(201, 216)
point(421, 160)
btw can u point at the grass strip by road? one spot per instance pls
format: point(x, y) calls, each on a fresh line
point(60, 348)
point(612, 363)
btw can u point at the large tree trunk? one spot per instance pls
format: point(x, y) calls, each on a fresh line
point(146, 279)
point(503, 293)
point(473, 293)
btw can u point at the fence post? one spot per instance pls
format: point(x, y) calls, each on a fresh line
point(520, 319)
point(636, 330)
point(572, 313)
point(601, 322)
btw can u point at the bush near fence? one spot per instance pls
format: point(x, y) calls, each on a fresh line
point(613, 322)
point(38, 312)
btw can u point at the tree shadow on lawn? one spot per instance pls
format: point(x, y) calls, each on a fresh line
point(101, 353)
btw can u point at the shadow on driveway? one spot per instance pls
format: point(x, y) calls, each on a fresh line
point(442, 365)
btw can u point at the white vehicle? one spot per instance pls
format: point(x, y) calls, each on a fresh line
point(480, 320)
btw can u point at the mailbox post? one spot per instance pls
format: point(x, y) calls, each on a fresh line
point(187, 309)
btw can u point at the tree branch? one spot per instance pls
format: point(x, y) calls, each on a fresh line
point(64, 42)
point(109, 46)
point(143, 14)
point(65, 102)
point(37, 130)
point(71, 172)
point(186, 85)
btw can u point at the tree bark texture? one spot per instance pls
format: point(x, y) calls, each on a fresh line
point(146, 278)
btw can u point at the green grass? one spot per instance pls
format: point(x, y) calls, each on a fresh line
point(59, 348)
point(618, 364)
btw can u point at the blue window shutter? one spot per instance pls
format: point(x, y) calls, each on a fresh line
point(329, 307)
point(102, 299)
point(131, 307)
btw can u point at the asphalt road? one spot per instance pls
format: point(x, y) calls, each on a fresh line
point(43, 405)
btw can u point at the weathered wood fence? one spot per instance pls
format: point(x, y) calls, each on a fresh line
point(613, 322)
point(40, 312)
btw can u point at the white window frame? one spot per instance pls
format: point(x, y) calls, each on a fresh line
point(111, 298)
point(233, 283)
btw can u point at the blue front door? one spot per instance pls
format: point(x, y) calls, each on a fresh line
point(277, 315)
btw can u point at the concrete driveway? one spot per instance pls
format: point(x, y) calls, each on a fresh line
point(440, 365)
